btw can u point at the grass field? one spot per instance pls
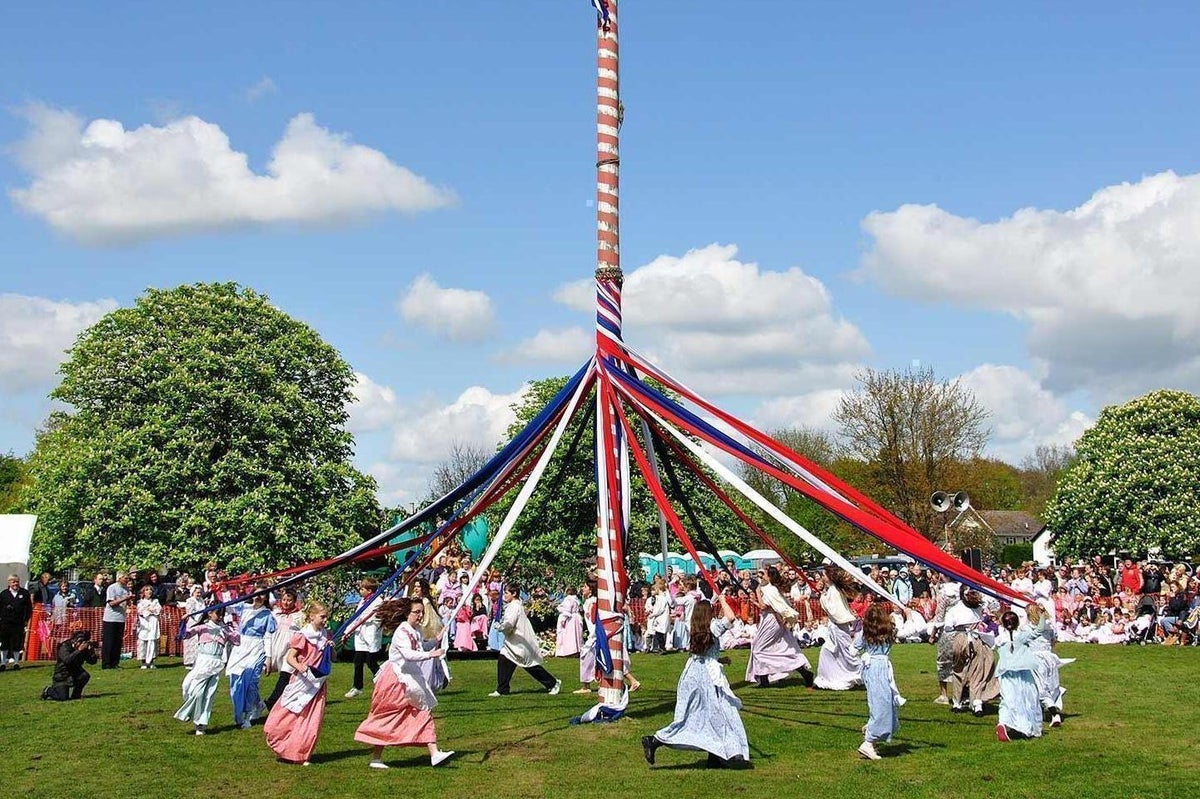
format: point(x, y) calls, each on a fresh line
point(1131, 731)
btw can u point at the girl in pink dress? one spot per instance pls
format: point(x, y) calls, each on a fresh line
point(295, 721)
point(402, 700)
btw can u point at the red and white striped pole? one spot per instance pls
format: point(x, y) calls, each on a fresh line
point(611, 455)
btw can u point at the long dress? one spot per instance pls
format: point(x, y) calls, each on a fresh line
point(295, 721)
point(774, 651)
point(706, 710)
point(191, 607)
point(587, 651)
point(569, 632)
point(431, 635)
point(464, 638)
point(1050, 690)
point(1020, 708)
point(883, 698)
point(148, 611)
point(973, 661)
point(838, 666)
point(681, 630)
point(246, 662)
point(401, 700)
point(200, 684)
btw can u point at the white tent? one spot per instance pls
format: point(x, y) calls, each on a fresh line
point(16, 534)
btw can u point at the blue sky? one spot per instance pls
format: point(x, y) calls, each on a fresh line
point(1009, 195)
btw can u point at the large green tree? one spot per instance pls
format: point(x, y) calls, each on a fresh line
point(557, 530)
point(13, 478)
point(1135, 484)
point(202, 422)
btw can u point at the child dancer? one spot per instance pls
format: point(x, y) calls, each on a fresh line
point(874, 644)
point(570, 625)
point(192, 607)
point(401, 700)
point(214, 637)
point(247, 660)
point(288, 618)
point(1020, 710)
point(295, 721)
point(706, 710)
point(148, 611)
point(520, 647)
point(774, 651)
point(368, 636)
point(838, 666)
point(1050, 690)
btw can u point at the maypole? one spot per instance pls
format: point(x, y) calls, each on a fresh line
point(612, 460)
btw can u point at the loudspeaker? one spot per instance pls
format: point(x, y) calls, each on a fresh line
point(973, 557)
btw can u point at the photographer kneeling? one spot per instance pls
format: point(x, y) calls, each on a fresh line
point(70, 676)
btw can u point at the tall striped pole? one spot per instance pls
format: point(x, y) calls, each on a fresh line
point(612, 458)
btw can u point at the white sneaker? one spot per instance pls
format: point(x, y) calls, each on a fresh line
point(440, 757)
point(977, 708)
point(1056, 720)
point(495, 693)
point(557, 687)
point(353, 692)
point(246, 724)
point(378, 764)
point(144, 667)
point(867, 750)
point(942, 700)
point(199, 730)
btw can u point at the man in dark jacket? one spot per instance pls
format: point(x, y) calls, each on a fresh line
point(15, 611)
point(70, 676)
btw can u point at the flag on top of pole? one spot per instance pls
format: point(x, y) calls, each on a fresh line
point(601, 7)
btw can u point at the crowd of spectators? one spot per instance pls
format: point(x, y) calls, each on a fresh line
point(1093, 600)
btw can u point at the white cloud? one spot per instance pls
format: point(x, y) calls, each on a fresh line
point(36, 332)
point(570, 345)
point(260, 89)
point(103, 184)
point(456, 314)
point(729, 327)
point(1023, 413)
point(1109, 288)
point(374, 406)
point(422, 432)
point(813, 410)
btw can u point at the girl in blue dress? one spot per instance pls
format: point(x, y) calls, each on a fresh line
point(874, 645)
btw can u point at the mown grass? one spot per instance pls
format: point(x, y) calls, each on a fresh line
point(1131, 731)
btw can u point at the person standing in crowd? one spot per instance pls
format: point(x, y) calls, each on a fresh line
point(94, 593)
point(774, 651)
point(191, 608)
point(116, 601)
point(401, 701)
point(520, 647)
point(40, 592)
point(838, 665)
point(569, 630)
point(214, 638)
point(368, 635)
point(15, 612)
point(63, 601)
point(247, 659)
point(1020, 709)
point(295, 722)
point(70, 677)
point(920, 583)
point(288, 619)
point(155, 583)
point(149, 609)
point(658, 616)
point(1131, 578)
point(706, 709)
point(883, 699)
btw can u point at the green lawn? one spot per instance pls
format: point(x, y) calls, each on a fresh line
point(1131, 731)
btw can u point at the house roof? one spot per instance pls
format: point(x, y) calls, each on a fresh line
point(1013, 523)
